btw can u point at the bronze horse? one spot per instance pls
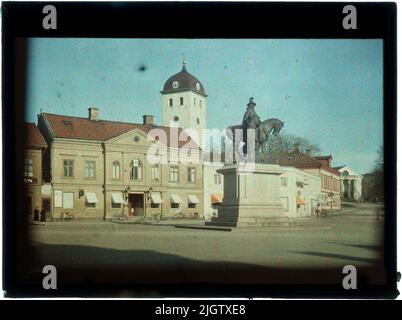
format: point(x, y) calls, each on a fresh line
point(265, 129)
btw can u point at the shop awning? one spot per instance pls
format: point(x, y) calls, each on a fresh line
point(156, 198)
point(193, 199)
point(175, 198)
point(300, 200)
point(216, 198)
point(117, 197)
point(91, 197)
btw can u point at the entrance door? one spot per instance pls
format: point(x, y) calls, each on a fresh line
point(28, 204)
point(46, 205)
point(136, 204)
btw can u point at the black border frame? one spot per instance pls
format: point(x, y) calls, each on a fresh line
point(224, 20)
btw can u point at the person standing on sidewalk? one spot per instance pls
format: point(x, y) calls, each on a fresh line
point(43, 216)
point(36, 214)
point(318, 210)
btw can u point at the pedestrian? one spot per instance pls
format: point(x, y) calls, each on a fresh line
point(43, 216)
point(36, 214)
point(318, 210)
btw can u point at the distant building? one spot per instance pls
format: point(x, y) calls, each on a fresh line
point(320, 166)
point(34, 149)
point(350, 183)
point(100, 169)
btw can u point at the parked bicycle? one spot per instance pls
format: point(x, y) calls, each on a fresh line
point(64, 216)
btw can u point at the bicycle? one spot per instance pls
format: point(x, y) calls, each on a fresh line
point(65, 216)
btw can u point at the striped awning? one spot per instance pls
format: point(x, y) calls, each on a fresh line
point(175, 198)
point(300, 201)
point(193, 199)
point(216, 198)
point(91, 197)
point(117, 197)
point(156, 198)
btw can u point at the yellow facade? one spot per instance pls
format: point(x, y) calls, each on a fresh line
point(106, 181)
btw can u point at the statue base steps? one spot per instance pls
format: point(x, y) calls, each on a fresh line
point(249, 222)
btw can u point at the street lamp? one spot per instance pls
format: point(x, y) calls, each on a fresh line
point(148, 192)
point(126, 192)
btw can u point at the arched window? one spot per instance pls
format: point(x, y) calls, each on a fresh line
point(116, 170)
point(136, 170)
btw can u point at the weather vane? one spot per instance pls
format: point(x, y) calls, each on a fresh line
point(184, 59)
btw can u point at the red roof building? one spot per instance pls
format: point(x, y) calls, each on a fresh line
point(68, 127)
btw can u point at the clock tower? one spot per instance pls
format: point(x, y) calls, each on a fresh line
point(184, 104)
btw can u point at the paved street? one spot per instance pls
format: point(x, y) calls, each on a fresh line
point(315, 252)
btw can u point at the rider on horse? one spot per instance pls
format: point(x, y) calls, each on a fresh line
point(250, 121)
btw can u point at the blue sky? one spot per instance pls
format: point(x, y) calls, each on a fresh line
point(335, 87)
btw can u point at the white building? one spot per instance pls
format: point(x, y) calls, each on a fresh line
point(299, 191)
point(351, 183)
point(212, 188)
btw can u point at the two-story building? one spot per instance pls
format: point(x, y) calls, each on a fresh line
point(100, 168)
point(299, 192)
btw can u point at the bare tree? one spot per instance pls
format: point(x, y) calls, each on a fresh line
point(285, 143)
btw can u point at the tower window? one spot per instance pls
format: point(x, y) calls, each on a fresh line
point(170, 102)
point(195, 101)
point(181, 101)
point(200, 104)
point(176, 118)
point(198, 120)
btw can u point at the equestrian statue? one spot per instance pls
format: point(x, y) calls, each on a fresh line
point(263, 129)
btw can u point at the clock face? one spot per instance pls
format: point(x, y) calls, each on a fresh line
point(175, 84)
point(197, 86)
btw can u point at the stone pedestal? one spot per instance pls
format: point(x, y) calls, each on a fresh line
point(251, 196)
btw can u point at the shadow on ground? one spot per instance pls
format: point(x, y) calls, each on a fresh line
point(378, 248)
point(350, 259)
point(78, 264)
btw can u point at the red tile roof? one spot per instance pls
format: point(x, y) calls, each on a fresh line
point(69, 127)
point(301, 160)
point(34, 138)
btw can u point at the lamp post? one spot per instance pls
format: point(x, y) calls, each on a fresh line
point(126, 192)
point(148, 192)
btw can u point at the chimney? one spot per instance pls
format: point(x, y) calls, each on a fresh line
point(148, 119)
point(93, 113)
point(296, 147)
point(308, 152)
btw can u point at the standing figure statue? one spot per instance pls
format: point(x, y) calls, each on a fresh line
point(263, 129)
